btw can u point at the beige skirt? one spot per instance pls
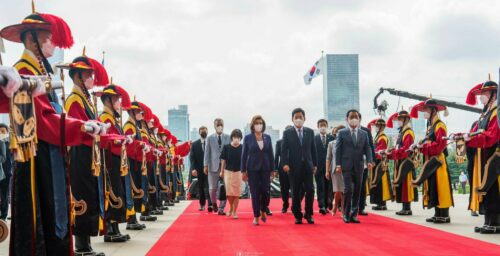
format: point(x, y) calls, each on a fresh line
point(232, 181)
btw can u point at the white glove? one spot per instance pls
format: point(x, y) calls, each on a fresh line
point(420, 145)
point(467, 137)
point(13, 78)
point(451, 137)
point(146, 149)
point(40, 87)
point(92, 128)
point(128, 140)
point(104, 128)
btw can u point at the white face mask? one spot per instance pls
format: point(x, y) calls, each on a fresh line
point(48, 48)
point(483, 99)
point(353, 122)
point(397, 124)
point(298, 122)
point(117, 106)
point(258, 127)
point(89, 83)
point(427, 115)
point(4, 136)
point(322, 130)
point(219, 129)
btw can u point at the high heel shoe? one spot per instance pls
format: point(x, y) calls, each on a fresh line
point(263, 217)
point(255, 221)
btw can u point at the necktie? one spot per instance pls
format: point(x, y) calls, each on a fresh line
point(219, 141)
point(203, 146)
point(300, 136)
point(354, 137)
point(323, 139)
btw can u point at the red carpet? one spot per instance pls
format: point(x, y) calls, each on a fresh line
point(195, 233)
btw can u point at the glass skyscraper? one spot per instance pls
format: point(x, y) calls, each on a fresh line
point(178, 122)
point(340, 86)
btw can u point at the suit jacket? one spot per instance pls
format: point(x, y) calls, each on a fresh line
point(293, 153)
point(278, 163)
point(196, 156)
point(212, 151)
point(349, 156)
point(321, 150)
point(370, 140)
point(255, 159)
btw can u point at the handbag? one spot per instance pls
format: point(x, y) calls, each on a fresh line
point(221, 190)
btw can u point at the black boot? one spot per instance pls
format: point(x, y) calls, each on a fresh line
point(132, 224)
point(146, 217)
point(407, 208)
point(83, 248)
point(444, 216)
point(112, 236)
point(156, 212)
point(436, 214)
point(117, 229)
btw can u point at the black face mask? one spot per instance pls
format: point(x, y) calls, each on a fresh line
point(203, 135)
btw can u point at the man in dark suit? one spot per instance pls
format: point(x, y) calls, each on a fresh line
point(6, 169)
point(362, 199)
point(298, 154)
point(283, 176)
point(351, 148)
point(196, 158)
point(323, 186)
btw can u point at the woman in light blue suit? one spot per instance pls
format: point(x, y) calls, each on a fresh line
point(257, 163)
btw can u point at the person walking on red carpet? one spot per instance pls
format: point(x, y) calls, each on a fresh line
point(230, 171)
point(298, 151)
point(351, 147)
point(257, 161)
point(211, 162)
point(331, 174)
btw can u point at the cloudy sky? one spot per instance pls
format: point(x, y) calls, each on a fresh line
point(236, 58)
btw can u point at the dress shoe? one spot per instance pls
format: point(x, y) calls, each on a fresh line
point(363, 213)
point(322, 211)
point(477, 229)
point(163, 208)
point(346, 219)
point(169, 203)
point(269, 212)
point(309, 220)
point(221, 212)
point(377, 208)
point(474, 214)
point(298, 221)
point(176, 201)
point(354, 219)
point(210, 209)
point(284, 209)
point(202, 208)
